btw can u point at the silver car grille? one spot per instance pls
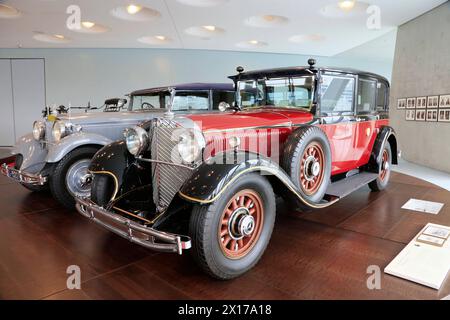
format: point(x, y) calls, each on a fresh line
point(167, 179)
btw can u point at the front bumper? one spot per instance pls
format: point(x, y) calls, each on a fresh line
point(23, 177)
point(133, 231)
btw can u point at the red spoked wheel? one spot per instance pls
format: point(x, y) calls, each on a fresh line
point(384, 165)
point(312, 168)
point(241, 224)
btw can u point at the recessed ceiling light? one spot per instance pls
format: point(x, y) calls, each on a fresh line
point(344, 9)
point(155, 40)
point(202, 3)
point(133, 9)
point(266, 21)
point(91, 27)
point(251, 44)
point(300, 38)
point(88, 24)
point(204, 32)
point(8, 12)
point(346, 4)
point(135, 13)
point(50, 38)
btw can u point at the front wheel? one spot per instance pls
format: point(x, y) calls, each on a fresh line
point(230, 235)
point(71, 176)
point(384, 174)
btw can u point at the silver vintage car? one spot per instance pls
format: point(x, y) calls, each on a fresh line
point(57, 153)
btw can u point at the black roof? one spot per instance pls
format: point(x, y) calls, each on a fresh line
point(188, 86)
point(302, 70)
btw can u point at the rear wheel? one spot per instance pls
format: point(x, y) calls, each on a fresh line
point(385, 170)
point(230, 235)
point(71, 176)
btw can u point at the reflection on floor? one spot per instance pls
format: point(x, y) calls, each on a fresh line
point(439, 178)
point(312, 255)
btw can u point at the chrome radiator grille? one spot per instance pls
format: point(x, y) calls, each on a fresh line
point(167, 179)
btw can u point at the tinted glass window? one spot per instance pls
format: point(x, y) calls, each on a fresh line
point(222, 96)
point(336, 94)
point(366, 96)
point(381, 96)
point(187, 101)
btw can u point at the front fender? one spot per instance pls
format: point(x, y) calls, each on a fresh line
point(34, 153)
point(57, 151)
point(212, 178)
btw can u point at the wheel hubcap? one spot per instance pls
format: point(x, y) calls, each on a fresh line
point(78, 178)
point(385, 167)
point(311, 168)
point(241, 224)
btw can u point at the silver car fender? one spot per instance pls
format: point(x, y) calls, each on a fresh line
point(57, 151)
point(34, 153)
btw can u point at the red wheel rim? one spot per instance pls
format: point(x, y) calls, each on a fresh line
point(384, 168)
point(312, 168)
point(244, 210)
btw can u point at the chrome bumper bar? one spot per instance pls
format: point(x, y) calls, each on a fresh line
point(23, 177)
point(133, 231)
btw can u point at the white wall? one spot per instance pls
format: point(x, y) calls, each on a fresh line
point(81, 75)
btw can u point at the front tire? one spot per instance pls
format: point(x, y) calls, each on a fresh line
point(70, 176)
point(384, 174)
point(102, 189)
point(230, 235)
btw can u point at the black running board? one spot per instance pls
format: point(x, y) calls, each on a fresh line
point(344, 187)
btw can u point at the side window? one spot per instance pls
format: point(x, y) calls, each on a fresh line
point(222, 96)
point(366, 96)
point(336, 94)
point(381, 96)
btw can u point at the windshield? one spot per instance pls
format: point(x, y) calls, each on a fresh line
point(284, 92)
point(183, 101)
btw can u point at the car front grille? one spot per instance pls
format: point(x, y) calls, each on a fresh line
point(167, 179)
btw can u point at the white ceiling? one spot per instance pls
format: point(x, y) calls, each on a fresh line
point(330, 35)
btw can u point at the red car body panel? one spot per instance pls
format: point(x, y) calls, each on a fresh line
point(264, 130)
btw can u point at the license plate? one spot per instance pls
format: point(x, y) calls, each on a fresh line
point(14, 174)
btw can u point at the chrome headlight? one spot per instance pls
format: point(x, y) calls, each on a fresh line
point(136, 139)
point(190, 145)
point(59, 130)
point(39, 130)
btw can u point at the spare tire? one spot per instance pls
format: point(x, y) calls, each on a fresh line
point(307, 160)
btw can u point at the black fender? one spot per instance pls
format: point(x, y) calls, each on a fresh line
point(386, 135)
point(211, 178)
point(115, 160)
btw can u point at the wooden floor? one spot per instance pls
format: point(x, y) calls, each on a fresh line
point(315, 255)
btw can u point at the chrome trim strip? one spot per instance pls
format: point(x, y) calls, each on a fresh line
point(22, 177)
point(169, 242)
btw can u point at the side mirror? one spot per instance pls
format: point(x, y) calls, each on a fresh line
point(224, 106)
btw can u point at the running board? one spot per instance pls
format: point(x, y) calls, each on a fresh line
point(346, 186)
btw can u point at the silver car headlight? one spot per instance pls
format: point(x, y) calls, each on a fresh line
point(136, 139)
point(59, 130)
point(190, 146)
point(39, 130)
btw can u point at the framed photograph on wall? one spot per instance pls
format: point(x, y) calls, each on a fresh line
point(421, 103)
point(411, 103)
point(444, 115)
point(410, 115)
point(433, 102)
point(444, 101)
point(421, 115)
point(401, 103)
point(432, 115)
